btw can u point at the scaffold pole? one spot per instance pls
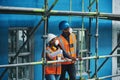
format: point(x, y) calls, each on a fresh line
point(31, 33)
point(81, 54)
point(17, 53)
point(107, 58)
point(89, 41)
point(46, 13)
point(55, 61)
point(96, 40)
point(91, 3)
point(37, 11)
point(110, 76)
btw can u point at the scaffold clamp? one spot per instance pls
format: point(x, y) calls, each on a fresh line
point(44, 37)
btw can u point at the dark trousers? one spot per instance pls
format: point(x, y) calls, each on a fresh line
point(70, 68)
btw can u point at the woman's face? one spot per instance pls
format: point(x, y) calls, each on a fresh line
point(52, 42)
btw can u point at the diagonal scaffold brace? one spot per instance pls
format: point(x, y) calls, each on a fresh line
point(30, 35)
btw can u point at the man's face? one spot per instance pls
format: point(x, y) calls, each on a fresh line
point(66, 30)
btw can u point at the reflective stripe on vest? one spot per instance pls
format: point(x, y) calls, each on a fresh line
point(71, 48)
point(73, 38)
point(54, 68)
point(62, 45)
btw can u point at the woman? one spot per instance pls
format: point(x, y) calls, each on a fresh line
point(53, 52)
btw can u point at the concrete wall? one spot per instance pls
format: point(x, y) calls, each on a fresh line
point(116, 29)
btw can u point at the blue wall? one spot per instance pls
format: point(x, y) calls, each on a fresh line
point(12, 20)
point(105, 39)
point(3, 47)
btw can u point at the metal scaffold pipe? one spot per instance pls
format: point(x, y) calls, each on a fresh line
point(32, 63)
point(44, 38)
point(91, 3)
point(89, 41)
point(99, 57)
point(81, 47)
point(20, 64)
point(30, 34)
point(106, 58)
point(96, 41)
point(55, 61)
point(37, 11)
point(17, 53)
point(110, 76)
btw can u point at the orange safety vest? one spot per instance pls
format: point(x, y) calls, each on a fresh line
point(53, 68)
point(68, 47)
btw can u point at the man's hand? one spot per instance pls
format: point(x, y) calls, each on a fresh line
point(80, 58)
point(73, 59)
point(66, 59)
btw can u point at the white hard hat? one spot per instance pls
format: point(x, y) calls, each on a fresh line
point(50, 37)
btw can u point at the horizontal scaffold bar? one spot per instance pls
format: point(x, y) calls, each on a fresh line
point(38, 11)
point(55, 61)
point(110, 76)
point(33, 63)
point(99, 57)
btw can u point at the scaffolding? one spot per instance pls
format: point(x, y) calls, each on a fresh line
point(45, 17)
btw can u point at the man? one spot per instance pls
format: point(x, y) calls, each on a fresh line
point(53, 52)
point(68, 44)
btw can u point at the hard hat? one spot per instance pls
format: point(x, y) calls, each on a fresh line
point(63, 25)
point(50, 37)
